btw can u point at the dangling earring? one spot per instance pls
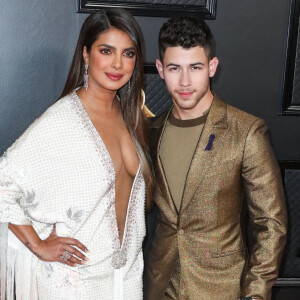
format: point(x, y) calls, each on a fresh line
point(85, 77)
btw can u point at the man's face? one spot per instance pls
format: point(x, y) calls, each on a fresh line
point(186, 73)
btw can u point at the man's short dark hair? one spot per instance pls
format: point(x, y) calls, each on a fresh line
point(186, 32)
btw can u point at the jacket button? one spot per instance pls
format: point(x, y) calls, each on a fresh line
point(181, 232)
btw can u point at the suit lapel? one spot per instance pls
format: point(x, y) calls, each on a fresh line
point(159, 128)
point(216, 125)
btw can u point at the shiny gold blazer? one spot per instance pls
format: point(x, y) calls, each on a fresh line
point(233, 159)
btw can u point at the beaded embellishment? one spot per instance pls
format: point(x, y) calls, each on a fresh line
point(119, 256)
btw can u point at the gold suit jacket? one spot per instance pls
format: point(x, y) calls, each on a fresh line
point(233, 159)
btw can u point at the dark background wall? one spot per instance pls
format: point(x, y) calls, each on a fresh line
point(37, 40)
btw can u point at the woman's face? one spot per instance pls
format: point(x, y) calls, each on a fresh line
point(111, 60)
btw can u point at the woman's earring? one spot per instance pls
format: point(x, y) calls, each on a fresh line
point(85, 77)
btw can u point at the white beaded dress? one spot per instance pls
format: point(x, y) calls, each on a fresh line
point(60, 172)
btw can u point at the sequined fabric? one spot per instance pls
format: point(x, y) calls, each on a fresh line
point(60, 172)
point(206, 235)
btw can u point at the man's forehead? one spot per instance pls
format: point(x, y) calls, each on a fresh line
point(185, 56)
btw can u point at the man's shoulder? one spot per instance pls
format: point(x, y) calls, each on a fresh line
point(237, 115)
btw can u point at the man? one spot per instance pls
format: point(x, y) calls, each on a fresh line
point(207, 155)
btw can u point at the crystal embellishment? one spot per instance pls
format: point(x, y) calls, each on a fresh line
point(118, 259)
point(119, 255)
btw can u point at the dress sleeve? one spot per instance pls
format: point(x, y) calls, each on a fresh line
point(11, 194)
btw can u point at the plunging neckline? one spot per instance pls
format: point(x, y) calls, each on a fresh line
point(111, 171)
point(98, 135)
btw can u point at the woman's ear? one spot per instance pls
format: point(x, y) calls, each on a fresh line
point(85, 55)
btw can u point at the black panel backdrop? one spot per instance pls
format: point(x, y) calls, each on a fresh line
point(38, 39)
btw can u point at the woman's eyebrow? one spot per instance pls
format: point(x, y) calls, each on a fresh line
point(114, 48)
point(107, 46)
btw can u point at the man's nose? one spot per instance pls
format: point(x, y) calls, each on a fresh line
point(185, 78)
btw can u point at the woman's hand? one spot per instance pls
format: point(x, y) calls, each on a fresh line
point(54, 248)
point(61, 249)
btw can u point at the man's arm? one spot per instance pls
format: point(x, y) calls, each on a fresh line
point(266, 204)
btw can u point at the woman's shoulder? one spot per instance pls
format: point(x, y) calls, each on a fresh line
point(58, 113)
point(61, 106)
point(53, 123)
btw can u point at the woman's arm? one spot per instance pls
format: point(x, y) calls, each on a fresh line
point(54, 248)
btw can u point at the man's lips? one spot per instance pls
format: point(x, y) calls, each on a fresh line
point(114, 76)
point(185, 94)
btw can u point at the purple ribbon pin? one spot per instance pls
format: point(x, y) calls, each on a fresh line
point(210, 142)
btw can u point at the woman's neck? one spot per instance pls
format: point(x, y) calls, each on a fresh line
point(99, 102)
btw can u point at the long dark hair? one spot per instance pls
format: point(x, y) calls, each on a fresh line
point(130, 93)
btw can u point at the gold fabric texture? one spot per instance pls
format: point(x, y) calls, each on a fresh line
point(147, 112)
point(206, 235)
point(172, 291)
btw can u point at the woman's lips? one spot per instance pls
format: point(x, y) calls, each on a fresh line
point(114, 76)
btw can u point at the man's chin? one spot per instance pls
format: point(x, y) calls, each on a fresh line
point(186, 106)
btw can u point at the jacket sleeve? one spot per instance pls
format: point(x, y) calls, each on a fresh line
point(267, 210)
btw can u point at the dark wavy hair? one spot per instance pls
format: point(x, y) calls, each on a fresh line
point(186, 32)
point(130, 94)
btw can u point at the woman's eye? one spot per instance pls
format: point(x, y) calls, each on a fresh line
point(130, 54)
point(105, 51)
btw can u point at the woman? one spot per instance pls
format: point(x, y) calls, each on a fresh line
point(72, 187)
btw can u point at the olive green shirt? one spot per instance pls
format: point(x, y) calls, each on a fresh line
point(177, 148)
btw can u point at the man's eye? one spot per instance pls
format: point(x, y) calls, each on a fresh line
point(105, 51)
point(173, 69)
point(196, 68)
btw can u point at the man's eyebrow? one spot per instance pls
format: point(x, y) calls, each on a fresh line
point(197, 63)
point(172, 64)
point(114, 48)
point(192, 65)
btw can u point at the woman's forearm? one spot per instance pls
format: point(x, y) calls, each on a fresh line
point(28, 236)
point(54, 248)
